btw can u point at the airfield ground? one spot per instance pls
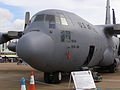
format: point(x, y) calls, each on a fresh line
point(11, 73)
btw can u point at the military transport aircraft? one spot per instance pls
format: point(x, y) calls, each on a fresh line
point(55, 41)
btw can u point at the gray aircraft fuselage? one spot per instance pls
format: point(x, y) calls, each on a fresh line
point(56, 40)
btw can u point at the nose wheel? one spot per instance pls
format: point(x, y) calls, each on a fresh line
point(52, 78)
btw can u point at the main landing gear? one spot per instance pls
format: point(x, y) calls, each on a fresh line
point(113, 67)
point(52, 78)
point(109, 69)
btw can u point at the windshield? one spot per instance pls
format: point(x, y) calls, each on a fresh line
point(38, 18)
point(50, 18)
point(43, 17)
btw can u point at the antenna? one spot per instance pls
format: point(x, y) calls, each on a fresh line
point(108, 20)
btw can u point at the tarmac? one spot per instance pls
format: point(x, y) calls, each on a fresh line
point(11, 74)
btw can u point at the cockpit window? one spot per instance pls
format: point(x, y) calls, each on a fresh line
point(50, 18)
point(32, 19)
point(43, 17)
point(38, 18)
point(63, 20)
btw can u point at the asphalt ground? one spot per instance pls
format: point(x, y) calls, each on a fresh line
point(11, 74)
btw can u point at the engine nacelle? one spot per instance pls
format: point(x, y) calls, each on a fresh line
point(3, 38)
point(12, 46)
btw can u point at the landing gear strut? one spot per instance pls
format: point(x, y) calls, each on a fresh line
point(52, 78)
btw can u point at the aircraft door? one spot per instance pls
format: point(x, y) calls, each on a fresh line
point(90, 55)
point(97, 54)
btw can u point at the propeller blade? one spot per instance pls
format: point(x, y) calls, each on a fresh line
point(27, 18)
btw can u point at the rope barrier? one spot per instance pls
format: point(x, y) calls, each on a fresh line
point(65, 87)
point(38, 82)
point(58, 86)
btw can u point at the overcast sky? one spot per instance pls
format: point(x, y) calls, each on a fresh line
point(12, 11)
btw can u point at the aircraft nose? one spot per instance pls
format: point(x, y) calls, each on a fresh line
point(35, 47)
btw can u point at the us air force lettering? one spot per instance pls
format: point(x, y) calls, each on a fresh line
point(56, 41)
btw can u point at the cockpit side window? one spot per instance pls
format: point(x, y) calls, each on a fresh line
point(63, 20)
point(32, 19)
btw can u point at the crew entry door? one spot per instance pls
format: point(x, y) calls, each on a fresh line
point(90, 55)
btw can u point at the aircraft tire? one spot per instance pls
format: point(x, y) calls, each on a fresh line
point(51, 78)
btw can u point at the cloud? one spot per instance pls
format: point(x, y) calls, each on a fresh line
point(61, 4)
point(5, 17)
point(7, 23)
point(83, 8)
point(17, 25)
point(91, 10)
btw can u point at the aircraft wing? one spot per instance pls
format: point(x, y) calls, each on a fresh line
point(4, 37)
point(113, 29)
point(116, 29)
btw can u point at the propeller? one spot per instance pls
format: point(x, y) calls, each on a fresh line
point(114, 18)
point(27, 19)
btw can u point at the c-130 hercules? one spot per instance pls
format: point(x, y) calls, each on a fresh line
point(56, 41)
